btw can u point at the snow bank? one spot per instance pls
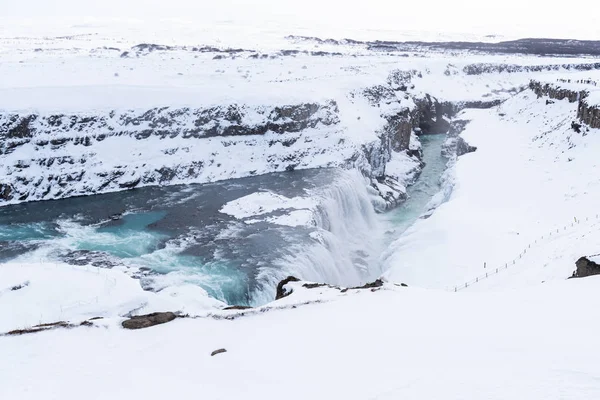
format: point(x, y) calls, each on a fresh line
point(394, 343)
point(260, 203)
point(59, 292)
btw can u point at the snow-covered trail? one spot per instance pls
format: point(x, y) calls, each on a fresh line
point(396, 343)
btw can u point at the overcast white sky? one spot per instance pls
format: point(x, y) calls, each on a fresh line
point(541, 18)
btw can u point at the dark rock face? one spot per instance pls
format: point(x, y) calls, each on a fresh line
point(556, 92)
point(462, 147)
point(146, 321)
point(585, 267)
point(6, 192)
point(589, 114)
point(281, 291)
point(165, 122)
point(430, 116)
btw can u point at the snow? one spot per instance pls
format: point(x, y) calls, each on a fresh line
point(260, 203)
point(298, 211)
point(525, 332)
point(393, 343)
point(60, 292)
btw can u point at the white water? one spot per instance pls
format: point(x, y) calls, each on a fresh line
point(345, 243)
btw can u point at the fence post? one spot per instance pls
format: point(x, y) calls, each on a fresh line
point(496, 270)
point(455, 289)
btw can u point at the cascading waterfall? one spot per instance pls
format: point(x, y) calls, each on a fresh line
point(344, 244)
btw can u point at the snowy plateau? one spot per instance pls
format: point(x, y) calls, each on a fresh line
point(293, 216)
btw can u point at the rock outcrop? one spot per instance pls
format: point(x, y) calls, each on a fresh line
point(146, 321)
point(556, 91)
point(589, 114)
point(281, 290)
point(586, 267)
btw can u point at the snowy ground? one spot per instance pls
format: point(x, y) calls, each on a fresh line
point(509, 336)
point(394, 343)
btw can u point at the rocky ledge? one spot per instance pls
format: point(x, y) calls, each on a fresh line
point(587, 112)
point(52, 155)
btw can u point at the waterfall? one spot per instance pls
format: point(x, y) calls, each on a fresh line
point(344, 243)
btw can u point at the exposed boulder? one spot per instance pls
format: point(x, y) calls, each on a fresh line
point(585, 267)
point(146, 321)
point(6, 192)
point(219, 351)
point(281, 290)
point(462, 147)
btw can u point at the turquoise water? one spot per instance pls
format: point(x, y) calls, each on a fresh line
point(179, 234)
point(424, 188)
point(27, 231)
point(130, 238)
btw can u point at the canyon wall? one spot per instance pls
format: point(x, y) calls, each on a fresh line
point(49, 155)
point(588, 111)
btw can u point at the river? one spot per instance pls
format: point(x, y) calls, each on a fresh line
point(179, 234)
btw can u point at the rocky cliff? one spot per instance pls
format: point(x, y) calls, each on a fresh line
point(57, 155)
